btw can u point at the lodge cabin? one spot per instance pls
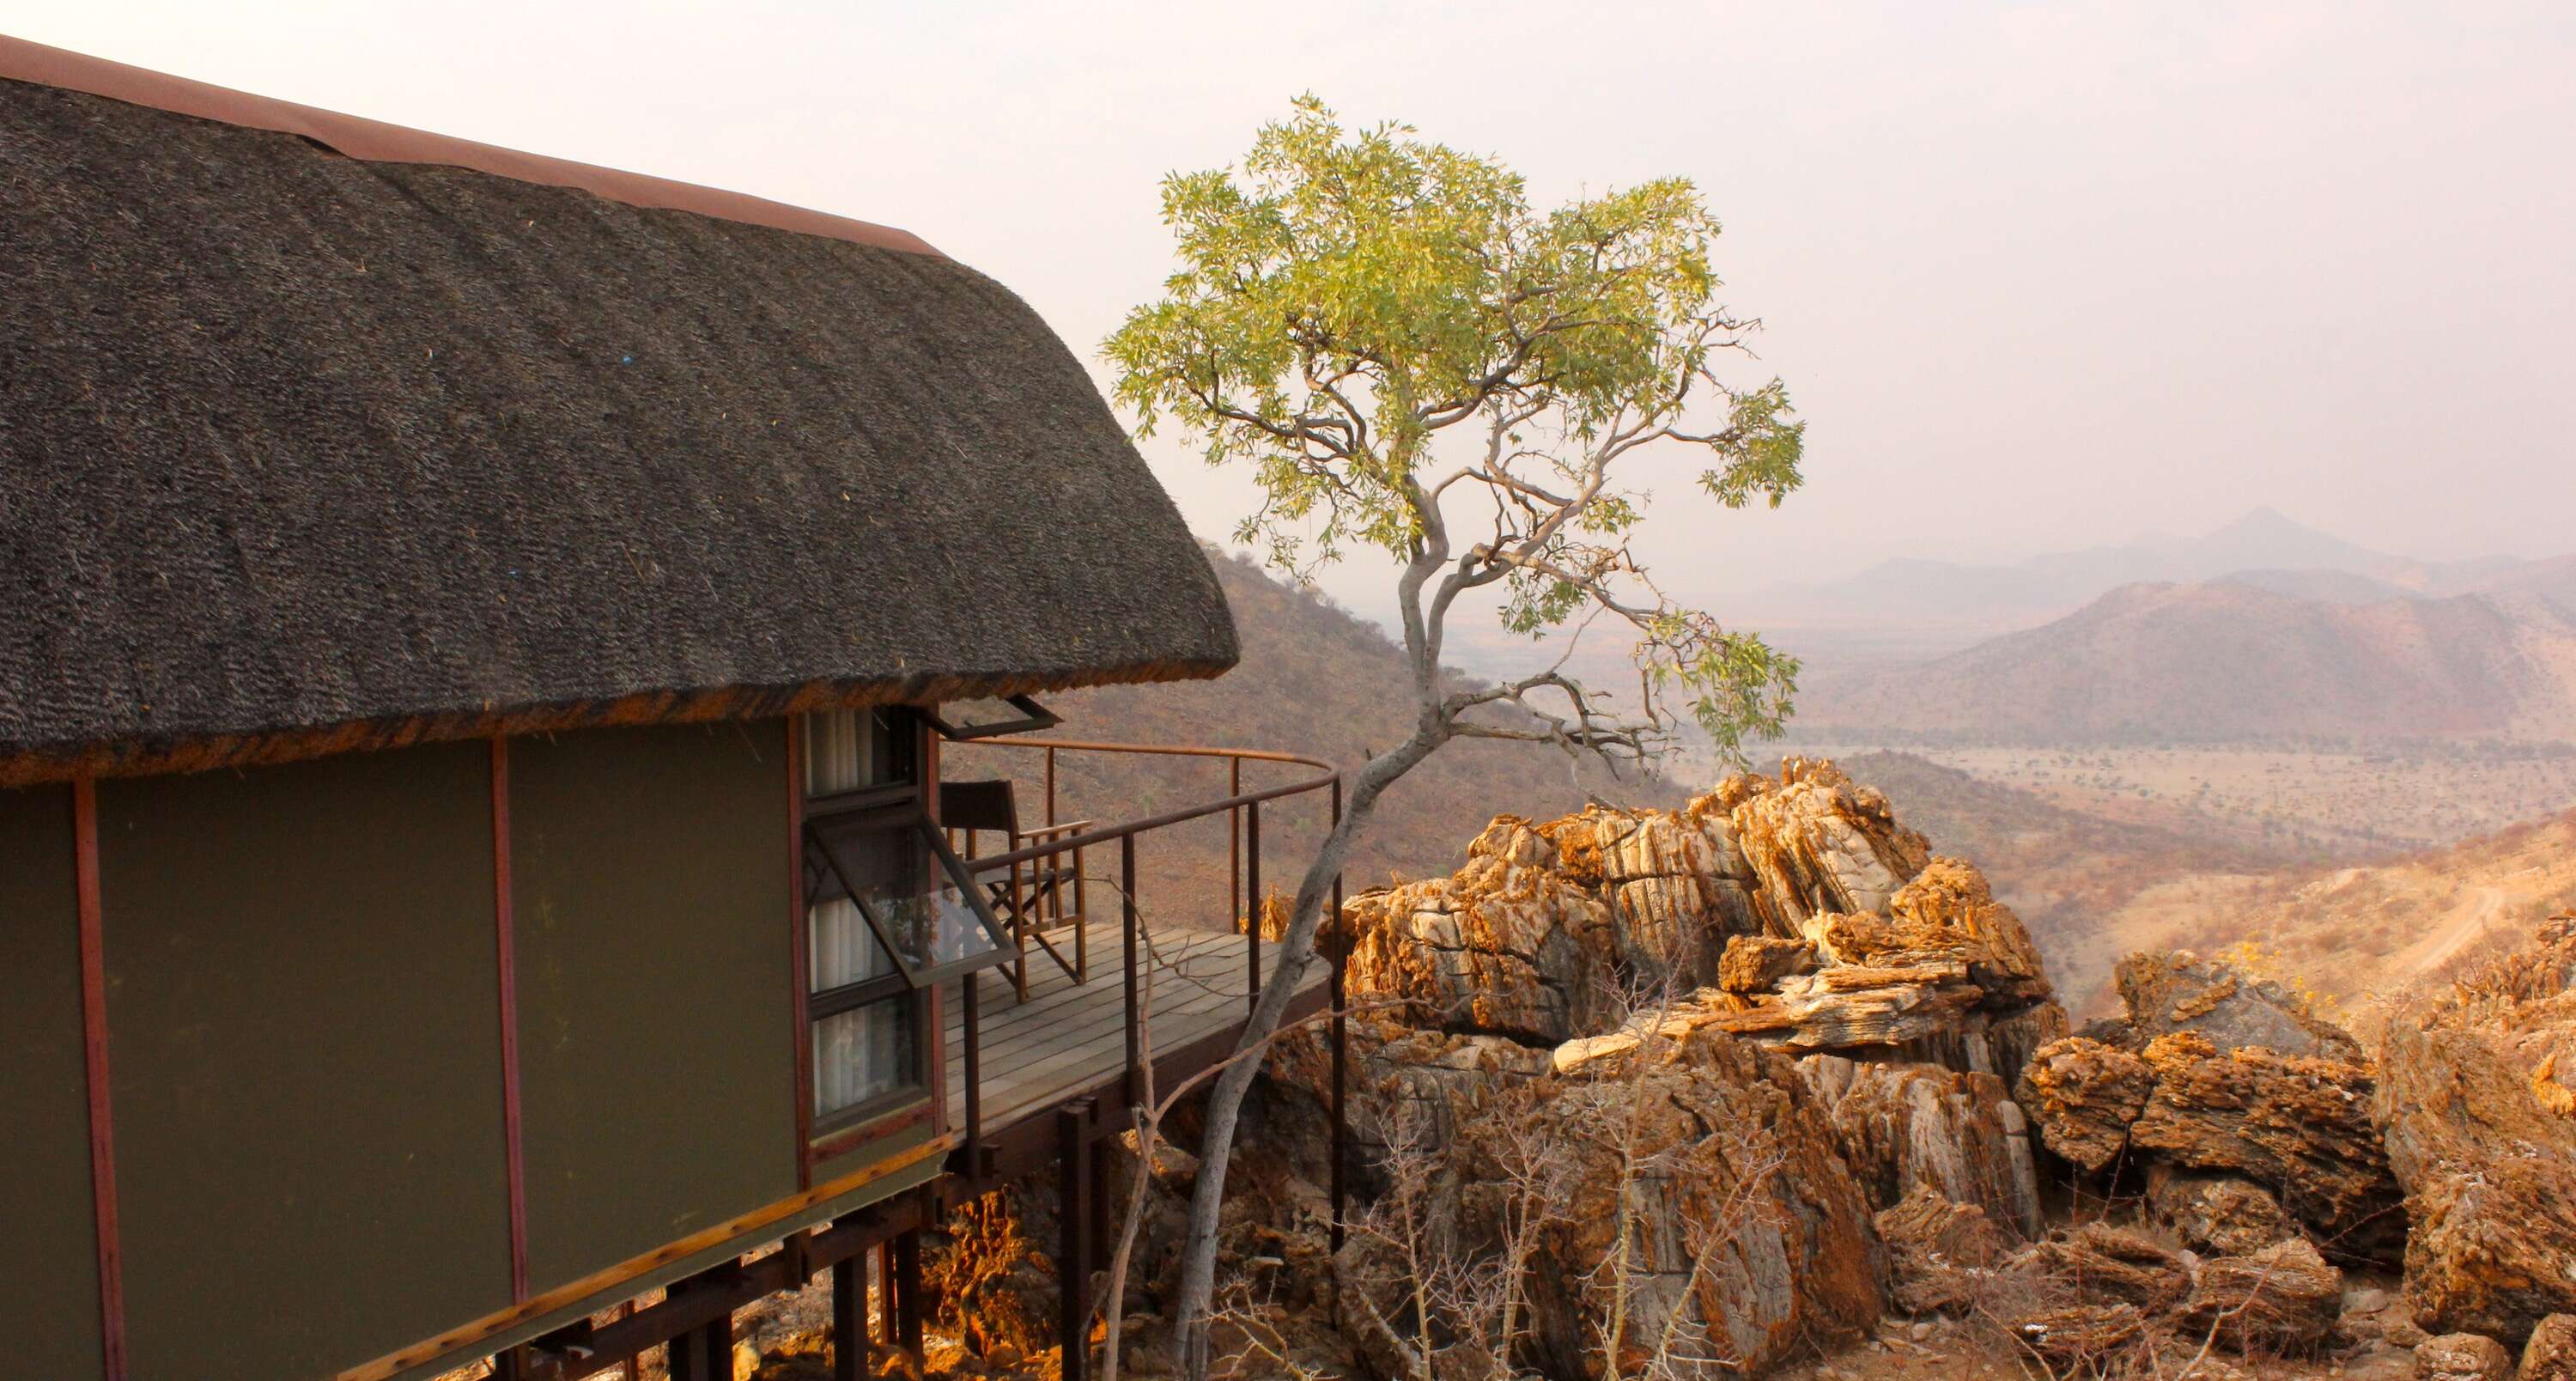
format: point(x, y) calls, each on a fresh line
point(479, 640)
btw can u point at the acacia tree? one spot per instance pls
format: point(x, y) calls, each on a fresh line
point(1412, 359)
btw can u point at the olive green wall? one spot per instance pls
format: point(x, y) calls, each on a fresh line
point(48, 1249)
point(305, 1050)
point(656, 1059)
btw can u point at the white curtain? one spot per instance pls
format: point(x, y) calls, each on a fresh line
point(862, 1053)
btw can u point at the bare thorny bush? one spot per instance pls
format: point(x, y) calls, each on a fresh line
point(1447, 1257)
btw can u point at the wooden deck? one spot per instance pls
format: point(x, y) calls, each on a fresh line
point(1067, 1039)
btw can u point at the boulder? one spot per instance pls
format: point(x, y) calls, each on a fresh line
point(2551, 1353)
point(1676, 884)
point(2084, 1095)
point(1505, 946)
point(2284, 1298)
point(1816, 843)
point(1907, 1128)
point(2299, 1127)
point(1948, 906)
point(2220, 1214)
point(2463, 1357)
point(2180, 991)
point(1748, 1232)
point(2080, 1337)
point(2099, 1261)
point(1757, 963)
point(1939, 1253)
point(984, 1279)
point(2489, 1172)
point(1420, 1084)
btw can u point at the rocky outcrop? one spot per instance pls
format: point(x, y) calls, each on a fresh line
point(1675, 882)
point(2220, 1214)
point(2084, 1096)
point(1909, 1128)
point(2298, 1127)
point(2283, 1298)
point(1938, 1252)
point(1817, 844)
point(2109, 1263)
point(2488, 1164)
point(1693, 1172)
point(2180, 991)
point(1754, 964)
point(1506, 946)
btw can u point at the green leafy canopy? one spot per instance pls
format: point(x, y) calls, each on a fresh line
point(1382, 326)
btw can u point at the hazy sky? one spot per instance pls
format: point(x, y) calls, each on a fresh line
point(2040, 275)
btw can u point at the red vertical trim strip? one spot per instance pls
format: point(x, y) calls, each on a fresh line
point(506, 963)
point(801, 980)
point(102, 1138)
point(933, 1031)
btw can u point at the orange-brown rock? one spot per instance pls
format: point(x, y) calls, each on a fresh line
point(1757, 963)
point(2081, 1337)
point(1948, 906)
point(2083, 1095)
point(986, 1281)
point(1676, 884)
point(2551, 1353)
point(2298, 1127)
point(1816, 843)
point(1940, 1254)
point(2180, 991)
point(2463, 1357)
point(1905, 1129)
point(2220, 1214)
point(2488, 1165)
point(2283, 1298)
point(2107, 1263)
point(1505, 946)
point(1754, 1233)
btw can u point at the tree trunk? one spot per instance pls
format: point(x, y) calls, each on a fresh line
point(1225, 1101)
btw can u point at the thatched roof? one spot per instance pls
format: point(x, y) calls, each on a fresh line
point(302, 451)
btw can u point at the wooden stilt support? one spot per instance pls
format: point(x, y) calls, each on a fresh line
point(850, 1318)
point(1073, 1263)
point(703, 1352)
point(887, 1332)
point(907, 1268)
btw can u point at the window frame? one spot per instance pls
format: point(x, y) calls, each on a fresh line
point(1036, 718)
point(890, 815)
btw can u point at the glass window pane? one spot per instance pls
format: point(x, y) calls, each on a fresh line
point(862, 1054)
point(923, 910)
point(841, 947)
point(849, 749)
point(920, 905)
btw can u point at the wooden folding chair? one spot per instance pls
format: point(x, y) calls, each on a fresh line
point(1032, 896)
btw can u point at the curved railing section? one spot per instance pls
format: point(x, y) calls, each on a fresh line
point(1055, 840)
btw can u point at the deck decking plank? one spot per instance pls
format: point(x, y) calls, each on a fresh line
point(1071, 1036)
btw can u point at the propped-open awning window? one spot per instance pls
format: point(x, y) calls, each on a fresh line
point(991, 717)
point(911, 888)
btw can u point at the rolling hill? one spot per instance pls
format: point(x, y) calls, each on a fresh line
point(1997, 597)
point(2235, 661)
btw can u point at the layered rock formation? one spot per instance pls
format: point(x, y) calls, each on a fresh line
point(1808, 1015)
point(2476, 1134)
point(2229, 1135)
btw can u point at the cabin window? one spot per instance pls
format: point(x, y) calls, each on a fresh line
point(890, 911)
point(863, 1019)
